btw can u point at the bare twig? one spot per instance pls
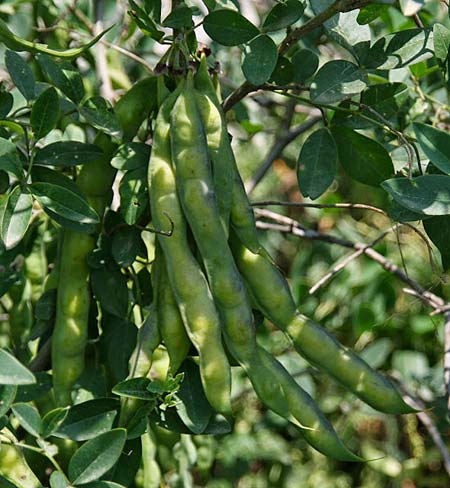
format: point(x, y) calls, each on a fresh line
point(281, 141)
point(360, 206)
point(345, 262)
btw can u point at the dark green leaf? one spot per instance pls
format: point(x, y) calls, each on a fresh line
point(229, 27)
point(100, 114)
point(7, 396)
point(6, 103)
point(371, 12)
point(385, 99)
point(260, 59)
point(133, 195)
point(179, 18)
point(67, 153)
point(45, 113)
point(283, 14)
point(441, 42)
point(9, 160)
point(16, 217)
point(336, 81)
point(88, 419)
point(64, 202)
point(364, 159)
point(317, 163)
point(435, 144)
point(169, 419)
point(305, 63)
point(147, 23)
point(41, 174)
point(31, 392)
point(96, 457)
point(131, 155)
point(4, 181)
point(126, 245)
point(110, 289)
point(428, 194)
point(21, 74)
point(46, 305)
point(53, 420)
point(64, 76)
point(283, 72)
point(401, 214)
point(28, 417)
point(193, 407)
point(104, 484)
point(134, 388)
point(438, 230)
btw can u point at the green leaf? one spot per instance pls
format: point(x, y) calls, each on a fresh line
point(193, 407)
point(88, 419)
point(9, 160)
point(58, 480)
point(28, 417)
point(386, 99)
point(283, 72)
point(364, 159)
point(21, 74)
point(405, 47)
point(41, 174)
point(110, 289)
point(435, 144)
point(412, 365)
point(103, 484)
point(428, 194)
point(126, 245)
point(133, 192)
point(260, 59)
point(305, 63)
point(4, 182)
point(441, 42)
point(45, 113)
point(336, 81)
point(131, 155)
point(7, 396)
point(317, 163)
point(53, 420)
point(401, 214)
point(99, 113)
point(229, 28)
point(134, 388)
point(6, 103)
point(179, 18)
point(370, 12)
point(67, 153)
point(438, 230)
point(16, 217)
point(283, 14)
point(96, 457)
point(30, 392)
point(376, 353)
point(64, 76)
point(64, 202)
point(45, 307)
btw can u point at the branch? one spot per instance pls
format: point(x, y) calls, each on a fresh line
point(281, 141)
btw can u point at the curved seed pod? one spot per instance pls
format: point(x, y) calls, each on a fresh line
point(72, 313)
point(196, 191)
point(317, 430)
point(170, 323)
point(271, 292)
point(15, 469)
point(194, 300)
point(241, 213)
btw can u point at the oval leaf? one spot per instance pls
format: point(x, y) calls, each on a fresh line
point(364, 159)
point(64, 202)
point(427, 195)
point(97, 456)
point(67, 153)
point(7, 395)
point(21, 74)
point(16, 217)
point(110, 289)
point(438, 230)
point(52, 420)
point(435, 144)
point(317, 163)
point(229, 27)
point(336, 81)
point(9, 160)
point(283, 14)
point(45, 113)
point(131, 155)
point(28, 417)
point(305, 63)
point(260, 59)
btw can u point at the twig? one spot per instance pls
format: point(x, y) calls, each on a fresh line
point(361, 206)
point(281, 141)
point(340, 266)
point(447, 357)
